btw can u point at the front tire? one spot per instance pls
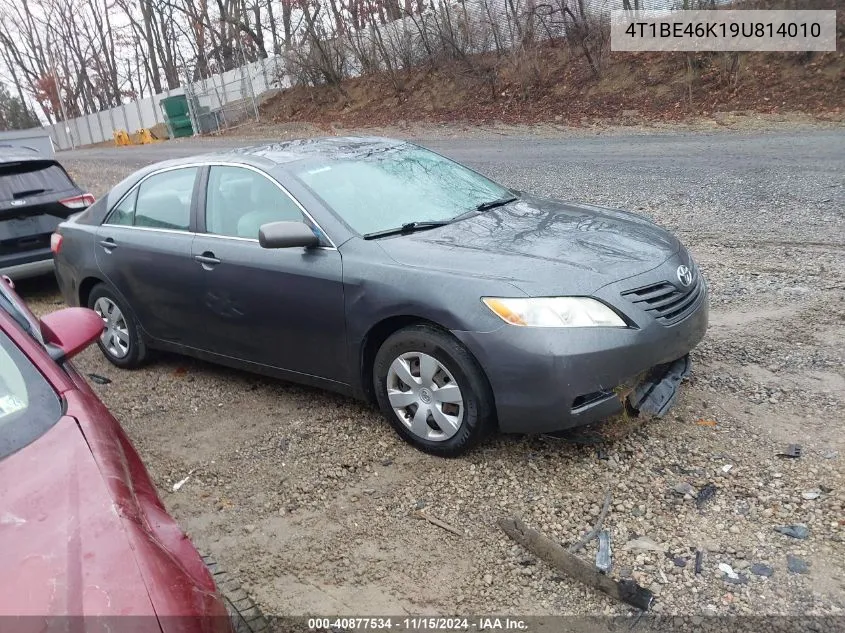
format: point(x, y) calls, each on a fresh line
point(432, 391)
point(120, 342)
point(244, 615)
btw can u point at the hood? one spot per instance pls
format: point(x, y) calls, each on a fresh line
point(542, 246)
point(62, 543)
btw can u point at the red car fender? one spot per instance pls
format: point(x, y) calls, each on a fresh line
point(176, 577)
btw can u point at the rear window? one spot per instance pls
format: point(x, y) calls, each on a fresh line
point(29, 406)
point(32, 178)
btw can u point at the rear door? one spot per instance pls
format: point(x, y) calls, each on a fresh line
point(30, 208)
point(144, 249)
point(282, 308)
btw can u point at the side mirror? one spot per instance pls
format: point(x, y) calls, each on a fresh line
point(287, 235)
point(68, 331)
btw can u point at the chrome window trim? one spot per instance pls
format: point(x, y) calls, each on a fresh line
point(216, 163)
point(151, 228)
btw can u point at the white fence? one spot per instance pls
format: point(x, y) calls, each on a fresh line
point(215, 93)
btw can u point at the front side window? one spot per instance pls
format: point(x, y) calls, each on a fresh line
point(386, 189)
point(28, 404)
point(162, 201)
point(239, 201)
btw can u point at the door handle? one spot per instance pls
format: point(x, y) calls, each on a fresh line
point(207, 259)
point(108, 244)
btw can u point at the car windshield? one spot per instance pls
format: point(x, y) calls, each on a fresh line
point(10, 303)
point(28, 404)
point(397, 186)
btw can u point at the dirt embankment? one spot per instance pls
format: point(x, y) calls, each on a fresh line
point(632, 87)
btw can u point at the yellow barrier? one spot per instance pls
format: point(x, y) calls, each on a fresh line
point(121, 138)
point(145, 137)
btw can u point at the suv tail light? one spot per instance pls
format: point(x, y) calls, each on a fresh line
point(78, 202)
point(56, 243)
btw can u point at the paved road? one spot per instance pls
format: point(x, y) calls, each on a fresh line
point(717, 151)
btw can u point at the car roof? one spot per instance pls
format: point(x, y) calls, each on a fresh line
point(269, 155)
point(18, 153)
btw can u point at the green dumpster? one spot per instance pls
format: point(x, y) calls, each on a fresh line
point(177, 115)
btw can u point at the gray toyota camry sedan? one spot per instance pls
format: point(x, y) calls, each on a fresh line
point(382, 270)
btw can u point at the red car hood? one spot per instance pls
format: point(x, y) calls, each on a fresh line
point(63, 545)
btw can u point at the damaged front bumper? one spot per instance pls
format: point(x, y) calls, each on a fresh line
point(657, 393)
point(546, 380)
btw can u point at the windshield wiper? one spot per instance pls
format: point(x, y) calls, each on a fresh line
point(408, 227)
point(492, 204)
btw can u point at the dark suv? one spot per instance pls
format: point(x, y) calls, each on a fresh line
point(36, 194)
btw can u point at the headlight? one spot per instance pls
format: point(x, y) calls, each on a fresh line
point(554, 312)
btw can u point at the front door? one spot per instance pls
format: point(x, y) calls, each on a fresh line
point(281, 308)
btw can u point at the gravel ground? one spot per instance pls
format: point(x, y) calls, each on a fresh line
point(312, 501)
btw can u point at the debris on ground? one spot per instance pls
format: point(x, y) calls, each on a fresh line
point(705, 494)
point(100, 380)
point(589, 536)
point(684, 489)
point(441, 524)
point(759, 569)
point(182, 482)
point(699, 560)
point(809, 495)
point(797, 565)
point(798, 530)
point(706, 422)
point(741, 579)
point(728, 570)
point(627, 591)
point(792, 450)
point(603, 561)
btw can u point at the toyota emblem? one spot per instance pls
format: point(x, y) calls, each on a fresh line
point(684, 275)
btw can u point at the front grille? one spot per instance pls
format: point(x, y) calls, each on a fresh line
point(666, 302)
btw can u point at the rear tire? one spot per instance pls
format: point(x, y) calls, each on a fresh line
point(432, 391)
point(121, 342)
point(245, 615)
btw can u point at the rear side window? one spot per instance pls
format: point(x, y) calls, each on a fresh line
point(28, 404)
point(162, 201)
point(27, 179)
point(124, 213)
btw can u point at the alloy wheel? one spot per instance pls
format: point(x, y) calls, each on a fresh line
point(425, 396)
point(115, 338)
